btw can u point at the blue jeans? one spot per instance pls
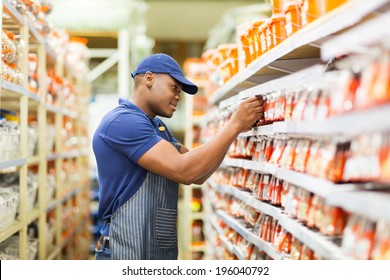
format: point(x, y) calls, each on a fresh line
point(102, 253)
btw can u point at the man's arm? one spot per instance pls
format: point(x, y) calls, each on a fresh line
point(195, 165)
point(203, 179)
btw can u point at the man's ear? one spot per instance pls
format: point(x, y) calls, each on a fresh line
point(148, 77)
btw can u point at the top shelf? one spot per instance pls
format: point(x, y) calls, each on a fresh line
point(302, 45)
point(20, 20)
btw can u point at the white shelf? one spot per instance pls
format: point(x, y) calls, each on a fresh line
point(12, 88)
point(247, 197)
point(12, 163)
point(316, 241)
point(262, 167)
point(374, 205)
point(348, 124)
point(18, 18)
point(352, 123)
point(247, 234)
point(358, 38)
point(308, 75)
point(297, 46)
point(322, 187)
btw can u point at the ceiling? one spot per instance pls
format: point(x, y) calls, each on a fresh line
point(161, 20)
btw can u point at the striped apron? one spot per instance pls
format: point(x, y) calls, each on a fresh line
point(144, 228)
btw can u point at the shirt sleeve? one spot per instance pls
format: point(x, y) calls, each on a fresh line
point(132, 135)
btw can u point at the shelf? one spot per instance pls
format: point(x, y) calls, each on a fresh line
point(15, 227)
point(370, 120)
point(308, 75)
point(301, 45)
point(333, 193)
point(54, 253)
point(262, 167)
point(247, 234)
point(11, 91)
point(227, 244)
point(319, 186)
point(359, 38)
point(21, 21)
point(198, 248)
point(12, 163)
point(374, 205)
point(316, 241)
point(196, 215)
point(33, 215)
point(246, 196)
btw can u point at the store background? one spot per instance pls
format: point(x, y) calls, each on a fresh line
point(119, 34)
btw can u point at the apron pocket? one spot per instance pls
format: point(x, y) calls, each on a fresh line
point(166, 233)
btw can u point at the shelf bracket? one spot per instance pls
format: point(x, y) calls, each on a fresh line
point(279, 69)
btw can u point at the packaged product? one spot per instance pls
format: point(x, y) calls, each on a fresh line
point(302, 152)
point(358, 237)
point(304, 204)
point(299, 108)
point(289, 153)
point(381, 250)
point(334, 220)
point(252, 180)
point(291, 100)
point(279, 146)
point(282, 241)
point(296, 249)
point(276, 194)
point(313, 101)
point(363, 162)
point(250, 147)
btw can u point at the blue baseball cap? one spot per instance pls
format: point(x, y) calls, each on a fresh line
point(163, 63)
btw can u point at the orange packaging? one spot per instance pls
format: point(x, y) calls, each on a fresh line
point(379, 90)
point(317, 8)
point(256, 37)
point(292, 11)
point(246, 49)
point(234, 59)
point(384, 158)
point(288, 156)
point(277, 6)
point(278, 28)
point(263, 35)
point(332, 4)
point(336, 166)
point(381, 250)
point(291, 99)
point(252, 32)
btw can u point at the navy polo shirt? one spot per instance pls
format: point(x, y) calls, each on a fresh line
point(123, 136)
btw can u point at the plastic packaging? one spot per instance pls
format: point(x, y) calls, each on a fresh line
point(292, 11)
point(278, 28)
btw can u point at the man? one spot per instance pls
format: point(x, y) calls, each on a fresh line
point(140, 163)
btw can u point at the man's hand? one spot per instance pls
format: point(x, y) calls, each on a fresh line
point(248, 113)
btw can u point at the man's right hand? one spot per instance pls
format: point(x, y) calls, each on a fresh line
point(248, 113)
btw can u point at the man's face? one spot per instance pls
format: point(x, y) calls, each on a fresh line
point(166, 94)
